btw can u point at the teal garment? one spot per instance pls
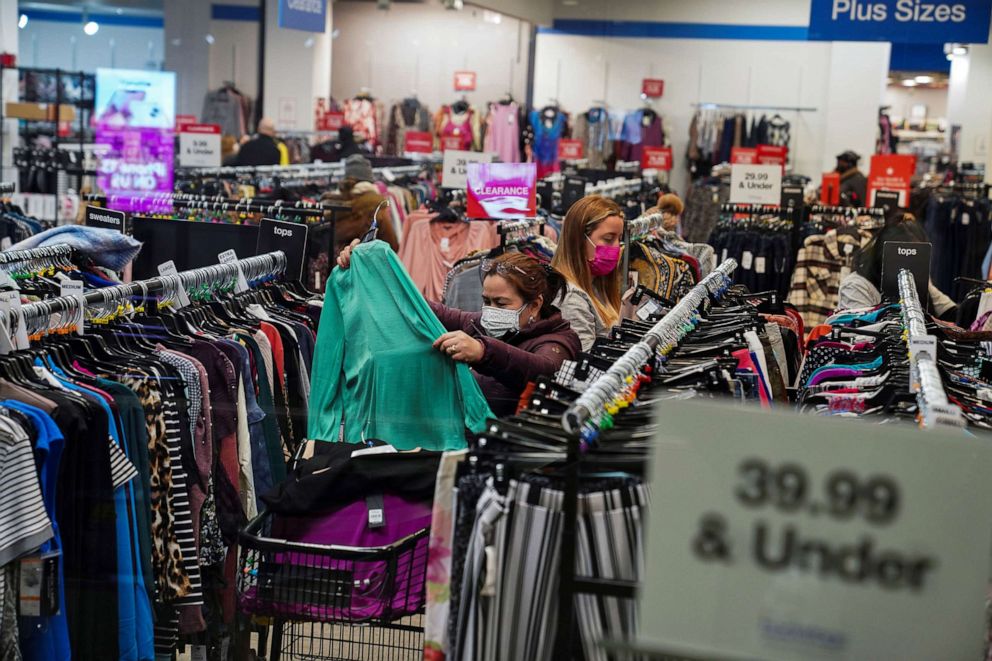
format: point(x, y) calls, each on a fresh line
point(374, 363)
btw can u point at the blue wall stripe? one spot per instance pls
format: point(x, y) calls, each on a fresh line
point(234, 13)
point(657, 30)
point(102, 19)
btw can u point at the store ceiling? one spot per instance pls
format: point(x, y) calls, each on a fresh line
point(128, 7)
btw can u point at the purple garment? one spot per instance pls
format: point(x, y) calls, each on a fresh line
point(635, 135)
point(335, 587)
point(833, 373)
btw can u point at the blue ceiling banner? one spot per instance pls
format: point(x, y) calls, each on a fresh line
point(308, 15)
point(901, 21)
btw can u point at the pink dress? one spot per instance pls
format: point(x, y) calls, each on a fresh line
point(503, 131)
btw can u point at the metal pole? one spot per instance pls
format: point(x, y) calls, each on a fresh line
point(261, 61)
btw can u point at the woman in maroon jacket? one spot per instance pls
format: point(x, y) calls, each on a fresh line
point(518, 336)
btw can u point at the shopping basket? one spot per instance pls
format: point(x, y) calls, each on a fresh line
point(333, 601)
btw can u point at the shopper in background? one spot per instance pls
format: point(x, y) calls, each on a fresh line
point(853, 184)
point(671, 209)
point(332, 151)
point(862, 287)
point(588, 256)
point(518, 336)
point(229, 148)
point(264, 148)
point(358, 188)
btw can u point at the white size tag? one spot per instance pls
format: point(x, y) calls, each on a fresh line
point(445, 244)
point(230, 257)
point(723, 255)
point(169, 269)
point(7, 282)
point(645, 311)
point(848, 248)
point(759, 264)
point(746, 260)
point(388, 175)
point(12, 299)
point(74, 288)
point(966, 218)
point(5, 243)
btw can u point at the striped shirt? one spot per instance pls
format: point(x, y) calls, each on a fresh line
point(24, 522)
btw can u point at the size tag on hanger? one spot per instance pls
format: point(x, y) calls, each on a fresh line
point(11, 300)
point(230, 257)
point(6, 344)
point(746, 260)
point(75, 288)
point(7, 282)
point(198, 653)
point(167, 269)
point(759, 264)
point(650, 307)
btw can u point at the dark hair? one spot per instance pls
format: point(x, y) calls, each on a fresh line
point(530, 278)
point(899, 226)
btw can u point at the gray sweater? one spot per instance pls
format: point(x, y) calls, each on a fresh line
point(577, 309)
point(856, 291)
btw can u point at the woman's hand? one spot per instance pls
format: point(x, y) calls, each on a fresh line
point(344, 257)
point(627, 309)
point(460, 346)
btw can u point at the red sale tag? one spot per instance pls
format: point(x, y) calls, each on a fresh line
point(450, 142)
point(830, 188)
point(570, 150)
point(420, 142)
point(210, 129)
point(652, 88)
point(891, 172)
point(333, 121)
point(656, 158)
point(464, 81)
point(184, 120)
point(743, 156)
point(772, 155)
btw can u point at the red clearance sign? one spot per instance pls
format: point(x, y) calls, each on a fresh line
point(743, 156)
point(772, 155)
point(656, 158)
point(418, 142)
point(652, 88)
point(210, 129)
point(450, 142)
point(830, 188)
point(464, 81)
point(891, 172)
point(570, 150)
point(184, 120)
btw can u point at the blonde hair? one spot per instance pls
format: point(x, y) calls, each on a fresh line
point(570, 257)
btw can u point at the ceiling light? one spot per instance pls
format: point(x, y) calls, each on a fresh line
point(209, 39)
point(120, 12)
point(22, 22)
point(308, 43)
point(909, 82)
point(453, 4)
point(960, 50)
point(91, 28)
point(335, 33)
point(924, 80)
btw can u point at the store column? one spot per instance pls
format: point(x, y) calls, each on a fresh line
point(187, 51)
point(969, 98)
point(297, 71)
point(8, 44)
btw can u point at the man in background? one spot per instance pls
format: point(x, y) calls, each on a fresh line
point(264, 148)
point(853, 184)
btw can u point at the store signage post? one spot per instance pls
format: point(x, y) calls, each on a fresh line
point(199, 146)
point(913, 256)
point(901, 21)
point(291, 238)
point(306, 15)
point(105, 218)
point(756, 184)
point(785, 538)
point(501, 190)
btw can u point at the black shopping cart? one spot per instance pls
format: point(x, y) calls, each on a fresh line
point(329, 602)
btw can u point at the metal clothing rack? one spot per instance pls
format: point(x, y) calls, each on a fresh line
point(663, 336)
point(925, 380)
point(215, 276)
point(60, 253)
point(731, 106)
point(635, 229)
point(841, 210)
point(514, 231)
point(751, 209)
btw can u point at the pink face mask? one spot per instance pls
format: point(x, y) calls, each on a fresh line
point(605, 261)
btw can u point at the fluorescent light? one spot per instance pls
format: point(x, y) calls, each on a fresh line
point(209, 38)
point(924, 80)
point(91, 28)
point(22, 22)
point(960, 50)
point(909, 82)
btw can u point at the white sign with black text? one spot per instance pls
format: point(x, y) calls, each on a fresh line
point(755, 184)
point(455, 166)
point(772, 537)
point(199, 146)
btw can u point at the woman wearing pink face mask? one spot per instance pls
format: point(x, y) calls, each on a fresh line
point(588, 256)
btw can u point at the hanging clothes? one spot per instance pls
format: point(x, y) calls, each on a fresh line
point(544, 136)
point(593, 129)
point(364, 116)
point(503, 131)
point(462, 125)
point(375, 368)
point(822, 262)
point(641, 128)
point(408, 115)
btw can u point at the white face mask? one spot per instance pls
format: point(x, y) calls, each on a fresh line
point(497, 322)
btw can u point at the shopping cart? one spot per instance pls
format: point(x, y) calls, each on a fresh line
point(331, 602)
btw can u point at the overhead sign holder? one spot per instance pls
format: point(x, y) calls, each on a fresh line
point(846, 540)
point(901, 21)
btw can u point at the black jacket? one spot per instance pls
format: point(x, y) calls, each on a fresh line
point(853, 188)
point(260, 150)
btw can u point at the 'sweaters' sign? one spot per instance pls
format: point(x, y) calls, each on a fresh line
point(105, 218)
point(901, 21)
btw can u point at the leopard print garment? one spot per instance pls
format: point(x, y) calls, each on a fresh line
point(167, 561)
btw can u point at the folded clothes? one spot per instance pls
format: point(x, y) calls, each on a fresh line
point(108, 248)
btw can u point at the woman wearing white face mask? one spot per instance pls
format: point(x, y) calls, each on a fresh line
point(518, 336)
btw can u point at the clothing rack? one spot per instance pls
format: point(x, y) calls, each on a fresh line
point(47, 253)
point(935, 409)
point(846, 211)
point(612, 187)
point(751, 209)
point(7, 187)
point(301, 169)
point(513, 231)
point(731, 106)
point(261, 266)
point(635, 229)
point(246, 204)
point(663, 336)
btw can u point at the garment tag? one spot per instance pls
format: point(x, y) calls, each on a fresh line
point(445, 243)
point(74, 288)
point(198, 653)
point(759, 264)
point(723, 255)
point(746, 260)
point(5, 243)
point(230, 257)
point(39, 585)
point(965, 218)
point(377, 513)
point(225, 645)
point(61, 277)
point(645, 311)
point(11, 300)
point(388, 175)
point(168, 269)
point(848, 248)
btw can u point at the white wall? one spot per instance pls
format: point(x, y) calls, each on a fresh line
point(234, 53)
point(737, 12)
point(971, 104)
point(419, 47)
point(56, 44)
point(771, 73)
point(902, 99)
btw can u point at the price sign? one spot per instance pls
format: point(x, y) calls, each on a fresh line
point(291, 238)
point(455, 166)
point(830, 188)
point(756, 184)
point(814, 539)
point(656, 158)
point(105, 218)
point(333, 121)
point(199, 146)
point(570, 150)
point(464, 81)
point(743, 155)
point(451, 142)
point(892, 172)
point(886, 199)
point(418, 142)
point(652, 88)
point(74, 288)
